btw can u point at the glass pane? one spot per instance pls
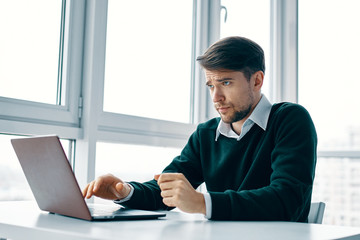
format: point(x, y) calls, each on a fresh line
point(12, 179)
point(240, 21)
point(148, 59)
point(13, 184)
point(337, 183)
point(328, 55)
point(132, 162)
point(29, 47)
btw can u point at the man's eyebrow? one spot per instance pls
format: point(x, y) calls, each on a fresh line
point(224, 79)
point(219, 80)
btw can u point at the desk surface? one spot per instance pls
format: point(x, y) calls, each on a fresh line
point(23, 220)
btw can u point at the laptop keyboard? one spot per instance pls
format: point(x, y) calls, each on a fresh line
point(104, 210)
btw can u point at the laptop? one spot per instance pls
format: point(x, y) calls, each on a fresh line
point(55, 187)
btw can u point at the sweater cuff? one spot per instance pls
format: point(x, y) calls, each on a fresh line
point(223, 212)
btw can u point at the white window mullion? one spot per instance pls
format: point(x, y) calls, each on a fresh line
point(284, 46)
point(207, 32)
point(92, 88)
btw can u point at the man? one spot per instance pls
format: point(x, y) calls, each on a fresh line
point(257, 160)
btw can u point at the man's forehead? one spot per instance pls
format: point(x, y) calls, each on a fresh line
point(222, 74)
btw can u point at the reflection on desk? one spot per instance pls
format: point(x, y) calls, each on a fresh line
point(24, 220)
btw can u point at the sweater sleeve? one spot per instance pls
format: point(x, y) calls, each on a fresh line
point(147, 196)
point(293, 159)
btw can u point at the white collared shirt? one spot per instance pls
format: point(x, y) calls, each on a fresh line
point(259, 116)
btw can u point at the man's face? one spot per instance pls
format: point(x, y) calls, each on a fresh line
point(233, 95)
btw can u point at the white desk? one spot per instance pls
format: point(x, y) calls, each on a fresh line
point(23, 220)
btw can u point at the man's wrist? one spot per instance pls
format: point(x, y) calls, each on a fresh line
point(202, 204)
point(128, 197)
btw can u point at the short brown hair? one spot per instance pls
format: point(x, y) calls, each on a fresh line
point(236, 54)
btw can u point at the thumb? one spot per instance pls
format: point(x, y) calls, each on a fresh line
point(122, 189)
point(118, 189)
point(156, 177)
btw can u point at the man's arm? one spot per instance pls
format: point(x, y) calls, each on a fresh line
point(147, 195)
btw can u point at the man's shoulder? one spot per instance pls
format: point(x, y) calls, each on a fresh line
point(288, 108)
point(290, 114)
point(210, 124)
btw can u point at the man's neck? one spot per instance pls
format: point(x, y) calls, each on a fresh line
point(237, 126)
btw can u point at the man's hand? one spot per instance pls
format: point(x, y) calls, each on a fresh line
point(107, 187)
point(178, 192)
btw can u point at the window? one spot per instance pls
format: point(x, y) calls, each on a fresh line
point(127, 80)
point(148, 59)
point(132, 162)
point(35, 97)
point(238, 19)
point(29, 46)
point(328, 86)
point(12, 179)
point(328, 56)
point(38, 83)
point(337, 184)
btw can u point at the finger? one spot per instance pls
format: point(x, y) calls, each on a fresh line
point(156, 177)
point(97, 184)
point(90, 190)
point(84, 191)
point(167, 193)
point(166, 185)
point(168, 201)
point(164, 177)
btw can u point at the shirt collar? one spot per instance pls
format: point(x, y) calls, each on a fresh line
point(259, 116)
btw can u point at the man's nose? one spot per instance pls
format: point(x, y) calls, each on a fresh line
point(217, 95)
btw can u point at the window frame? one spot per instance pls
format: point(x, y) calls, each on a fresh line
point(28, 117)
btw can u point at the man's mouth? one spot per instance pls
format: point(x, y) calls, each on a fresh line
point(222, 109)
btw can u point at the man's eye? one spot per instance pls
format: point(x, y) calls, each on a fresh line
point(226, 83)
point(210, 86)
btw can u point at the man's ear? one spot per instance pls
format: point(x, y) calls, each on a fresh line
point(259, 80)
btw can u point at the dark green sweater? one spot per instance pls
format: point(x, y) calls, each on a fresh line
point(267, 175)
